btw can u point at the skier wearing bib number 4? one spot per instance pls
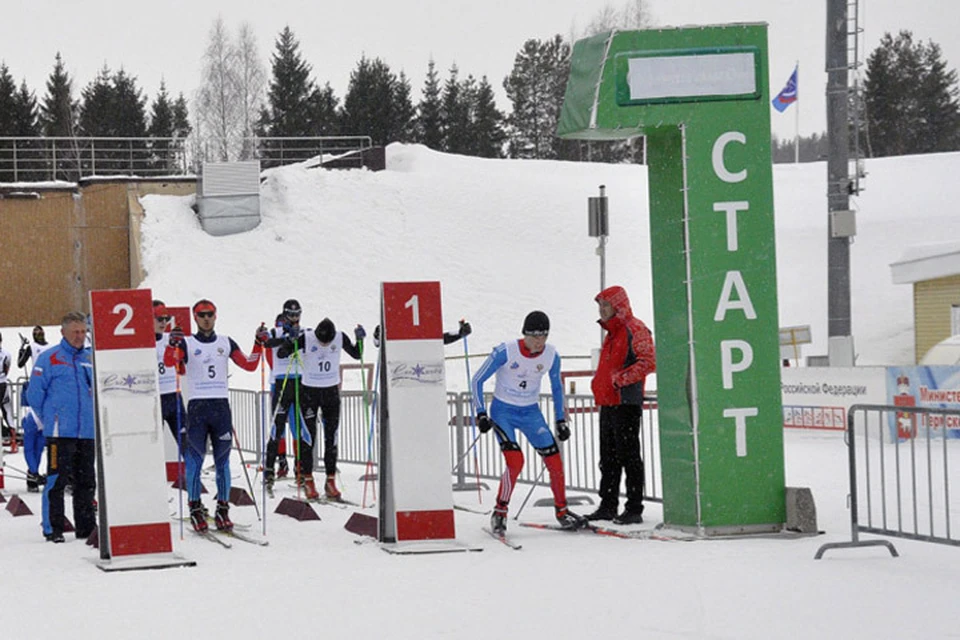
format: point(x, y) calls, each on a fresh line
point(202, 360)
point(520, 366)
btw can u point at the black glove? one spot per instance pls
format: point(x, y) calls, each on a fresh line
point(262, 334)
point(360, 333)
point(484, 423)
point(376, 336)
point(176, 337)
point(287, 347)
point(563, 431)
point(465, 328)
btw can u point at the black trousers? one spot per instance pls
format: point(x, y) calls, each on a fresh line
point(323, 402)
point(66, 458)
point(620, 454)
point(285, 394)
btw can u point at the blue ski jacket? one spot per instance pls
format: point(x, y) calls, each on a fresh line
point(61, 392)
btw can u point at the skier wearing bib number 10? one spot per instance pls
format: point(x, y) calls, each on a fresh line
point(520, 366)
point(202, 360)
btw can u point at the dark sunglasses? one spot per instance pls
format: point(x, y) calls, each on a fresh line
point(163, 318)
point(293, 315)
point(536, 334)
point(205, 314)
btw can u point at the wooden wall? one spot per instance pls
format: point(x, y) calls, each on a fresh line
point(56, 245)
point(932, 300)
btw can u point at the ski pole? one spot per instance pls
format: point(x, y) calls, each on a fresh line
point(263, 439)
point(464, 455)
point(369, 406)
point(543, 467)
point(181, 461)
point(473, 419)
point(246, 472)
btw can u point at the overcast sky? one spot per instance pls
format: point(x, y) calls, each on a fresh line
point(166, 39)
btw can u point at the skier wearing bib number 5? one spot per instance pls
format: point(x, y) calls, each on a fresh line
point(202, 360)
point(520, 366)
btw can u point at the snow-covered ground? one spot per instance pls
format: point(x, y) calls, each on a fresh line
point(505, 237)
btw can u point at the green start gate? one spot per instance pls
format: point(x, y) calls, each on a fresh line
point(700, 96)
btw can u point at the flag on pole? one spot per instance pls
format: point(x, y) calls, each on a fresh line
point(787, 95)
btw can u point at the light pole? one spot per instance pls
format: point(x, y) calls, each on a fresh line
point(597, 213)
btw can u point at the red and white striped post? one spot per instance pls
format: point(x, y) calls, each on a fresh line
point(135, 527)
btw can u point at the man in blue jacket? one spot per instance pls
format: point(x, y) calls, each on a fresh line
point(61, 392)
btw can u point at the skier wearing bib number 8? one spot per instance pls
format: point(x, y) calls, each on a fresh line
point(202, 359)
point(520, 366)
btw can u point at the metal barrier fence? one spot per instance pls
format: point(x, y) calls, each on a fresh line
point(903, 463)
point(358, 443)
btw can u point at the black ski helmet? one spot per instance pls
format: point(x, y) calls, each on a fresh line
point(292, 308)
point(326, 331)
point(536, 324)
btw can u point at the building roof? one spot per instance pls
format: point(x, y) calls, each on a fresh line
point(927, 262)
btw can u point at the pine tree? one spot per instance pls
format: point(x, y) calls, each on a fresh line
point(130, 107)
point(8, 104)
point(404, 113)
point(324, 110)
point(8, 119)
point(161, 126)
point(368, 107)
point(97, 106)
point(290, 89)
point(429, 123)
point(910, 98)
point(536, 87)
point(181, 118)
point(58, 110)
point(455, 115)
point(487, 127)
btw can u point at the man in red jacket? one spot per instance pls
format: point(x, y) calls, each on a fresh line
point(626, 358)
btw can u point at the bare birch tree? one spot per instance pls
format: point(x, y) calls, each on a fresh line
point(252, 82)
point(219, 107)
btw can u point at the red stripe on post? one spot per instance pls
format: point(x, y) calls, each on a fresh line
point(135, 539)
point(174, 471)
point(425, 525)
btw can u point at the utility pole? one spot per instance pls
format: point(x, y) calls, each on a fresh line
point(598, 227)
point(841, 224)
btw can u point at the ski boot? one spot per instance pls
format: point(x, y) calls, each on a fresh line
point(498, 521)
point(569, 520)
point(33, 482)
point(198, 516)
point(330, 487)
point(282, 469)
point(222, 516)
point(310, 487)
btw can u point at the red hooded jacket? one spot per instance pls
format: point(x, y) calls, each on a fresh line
point(627, 355)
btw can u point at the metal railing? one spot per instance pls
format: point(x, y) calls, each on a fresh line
point(72, 159)
point(358, 445)
point(903, 463)
point(39, 159)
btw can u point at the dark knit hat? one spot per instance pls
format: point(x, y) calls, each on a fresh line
point(536, 324)
point(326, 331)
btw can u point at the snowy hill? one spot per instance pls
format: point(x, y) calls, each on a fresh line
point(508, 236)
